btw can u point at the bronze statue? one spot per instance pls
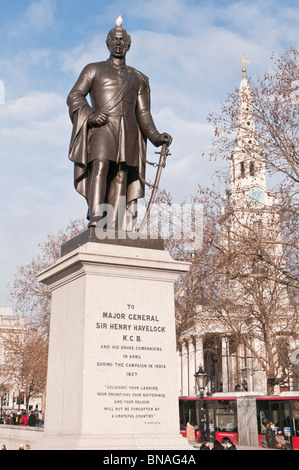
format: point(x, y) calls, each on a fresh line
point(108, 143)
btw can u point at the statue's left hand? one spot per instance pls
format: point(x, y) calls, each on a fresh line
point(163, 139)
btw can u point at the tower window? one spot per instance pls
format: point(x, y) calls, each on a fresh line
point(242, 165)
point(251, 168)
point(258, 228)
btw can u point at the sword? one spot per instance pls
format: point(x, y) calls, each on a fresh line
point(162, 163)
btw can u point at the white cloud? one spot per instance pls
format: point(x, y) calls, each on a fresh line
point(2, 92)
point(95, 50)
point(34, 106)
point(38, 15)
point(186, 168)
point(34, 133)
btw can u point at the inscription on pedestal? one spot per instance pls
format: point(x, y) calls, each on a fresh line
point(131, 365)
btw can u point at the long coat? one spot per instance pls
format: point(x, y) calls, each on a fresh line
point(123, 94)
point(270, 438)
point(190, 432)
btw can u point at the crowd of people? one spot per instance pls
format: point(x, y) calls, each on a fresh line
point(273, 439)
point(21, 418)
point(225, 444)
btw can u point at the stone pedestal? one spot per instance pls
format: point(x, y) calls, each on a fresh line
point(112, 378)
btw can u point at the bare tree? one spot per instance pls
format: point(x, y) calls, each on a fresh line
point(26, 357)
point(237, 284)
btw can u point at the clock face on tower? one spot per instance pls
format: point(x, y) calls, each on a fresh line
point(257, 194)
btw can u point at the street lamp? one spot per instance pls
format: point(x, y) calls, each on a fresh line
point(201, 378)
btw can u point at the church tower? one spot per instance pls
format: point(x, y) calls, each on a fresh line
point(247, 163)
point(249, 204)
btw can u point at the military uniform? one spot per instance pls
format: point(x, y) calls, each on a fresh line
point(123, 94)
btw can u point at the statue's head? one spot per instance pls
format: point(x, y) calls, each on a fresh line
point(118, 40)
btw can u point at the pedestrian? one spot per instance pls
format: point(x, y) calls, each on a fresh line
point(21, 447)
point(228, 444)
point(24, 420)
point(270, 436)
point(217, 445)
point(280, 440)
point(3, 447)
point(42, 420)
point(205, 445)
point(190, 432)
point(37, 417)
point(32, 419)
point(12, 418)
point(27, 447)
point(18, 417)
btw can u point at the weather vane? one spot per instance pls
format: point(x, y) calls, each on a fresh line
point(244, 61)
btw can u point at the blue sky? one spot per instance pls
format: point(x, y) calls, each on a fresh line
point(190, 51)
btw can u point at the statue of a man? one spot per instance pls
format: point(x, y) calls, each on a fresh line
point(108, 143)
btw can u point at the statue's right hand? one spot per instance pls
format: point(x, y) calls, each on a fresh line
point(97, 119)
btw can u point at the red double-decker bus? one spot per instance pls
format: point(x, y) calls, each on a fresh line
point(221, 417)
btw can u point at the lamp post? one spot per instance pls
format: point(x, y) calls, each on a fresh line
point(201, 378)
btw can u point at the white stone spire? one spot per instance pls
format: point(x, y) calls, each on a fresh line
point(247, 163)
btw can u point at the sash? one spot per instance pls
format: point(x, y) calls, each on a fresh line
point(119, 96)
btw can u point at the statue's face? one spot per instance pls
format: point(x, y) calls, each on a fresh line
point(118, 44)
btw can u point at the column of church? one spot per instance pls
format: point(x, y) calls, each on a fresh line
point(192, 365)
point(180, 369)
point(259, 378)
point(225, 364)
point(185, 368)
point(190, 357)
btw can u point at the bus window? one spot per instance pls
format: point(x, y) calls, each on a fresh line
point(226, 416)
point(275, 414)
point(263, 415)
point(286, 423)
point(188, 413)
point(295, 418)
